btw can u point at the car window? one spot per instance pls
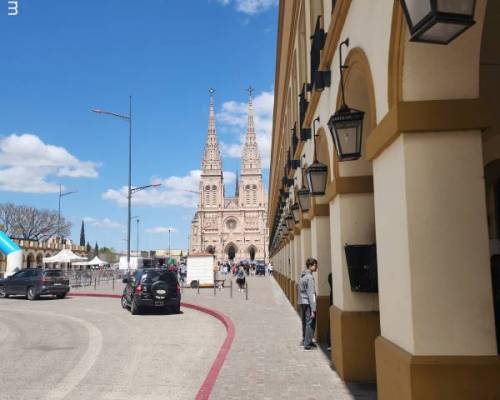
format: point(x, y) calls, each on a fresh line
point(155, 276)
point(21, 274)
point(53, 274)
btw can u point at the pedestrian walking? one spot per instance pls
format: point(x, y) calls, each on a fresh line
point(240, 279)
point(307, 300)
point(270, 269)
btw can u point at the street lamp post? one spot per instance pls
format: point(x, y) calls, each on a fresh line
point(129, 192)
point(61, 194)
point(169, 247)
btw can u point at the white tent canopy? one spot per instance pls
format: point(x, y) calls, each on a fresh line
point(97, 261)
point(64, 256)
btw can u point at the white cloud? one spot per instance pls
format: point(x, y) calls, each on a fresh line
point(175, 191)
point(26, 163)
point(161, 229)
point(250, 7)
point(104, 223)
point(233, 115)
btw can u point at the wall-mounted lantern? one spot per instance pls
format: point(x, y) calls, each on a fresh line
point(303, 194)
point(346, 125)
point(295, 212)
point(438, 21)
point(317, 173)
point(290, 223)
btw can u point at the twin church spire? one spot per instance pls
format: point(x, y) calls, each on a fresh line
point(250, 161)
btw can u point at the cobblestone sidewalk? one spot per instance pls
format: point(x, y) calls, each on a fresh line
point(266, 361)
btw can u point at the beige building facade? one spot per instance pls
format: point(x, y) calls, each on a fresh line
point(425, 191)
point(231, 228)
point(34, 251)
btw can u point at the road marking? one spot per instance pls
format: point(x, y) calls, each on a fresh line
point(211, 378)
point(82, 368)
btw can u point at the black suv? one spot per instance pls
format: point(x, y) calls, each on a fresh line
point(154, 288)
point(34, 283)
point(260, 269)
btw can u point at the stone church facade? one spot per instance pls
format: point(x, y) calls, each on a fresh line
point(232, 228)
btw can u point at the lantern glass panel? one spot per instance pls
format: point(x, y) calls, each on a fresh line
point(440, 32)
point(304, 199)
point(346, 127)
point(417, 11)
point(317, 175)
point(296, 212)
point(463, 7)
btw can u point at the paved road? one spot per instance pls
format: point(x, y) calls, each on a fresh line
point(90, 348)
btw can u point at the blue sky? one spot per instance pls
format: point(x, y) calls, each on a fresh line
point(62, 58)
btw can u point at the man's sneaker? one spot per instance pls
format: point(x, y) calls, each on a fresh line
point(308, 348)
point(313, 344)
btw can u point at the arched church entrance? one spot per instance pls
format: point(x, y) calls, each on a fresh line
point(231, 251)
point(251, 252)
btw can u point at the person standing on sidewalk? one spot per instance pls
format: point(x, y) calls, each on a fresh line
point(307, 301)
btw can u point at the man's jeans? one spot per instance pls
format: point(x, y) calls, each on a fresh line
point(308, 324)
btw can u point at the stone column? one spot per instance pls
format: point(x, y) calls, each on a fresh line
point(354, 316)
point(437, 321)
point(320, 250)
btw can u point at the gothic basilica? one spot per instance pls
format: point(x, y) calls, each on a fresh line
point(232, 228)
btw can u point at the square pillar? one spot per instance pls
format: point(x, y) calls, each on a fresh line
point(354, 316)
point(320, 249)
point(436, 307)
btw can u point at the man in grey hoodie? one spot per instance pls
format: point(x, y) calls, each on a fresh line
point(307, 300)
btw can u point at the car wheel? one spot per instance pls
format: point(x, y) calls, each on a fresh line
point(134, 308)
point(61, 295)
point(3, 292)
point(31, 294)
point(124, 302)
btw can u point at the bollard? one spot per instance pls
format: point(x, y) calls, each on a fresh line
point(113, 282)
point(95, 283)
point(198, 287)
point(246, 290)
point(215, 288)
point(231, 289)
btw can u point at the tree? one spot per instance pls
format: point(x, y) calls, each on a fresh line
point(108, 254)
point(82, 234)
point(96, 250)
point(88, 249)
point(30, 223)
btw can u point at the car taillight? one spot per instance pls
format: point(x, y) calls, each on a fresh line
point(45, 279)
point(178, 288)
point(138, 289)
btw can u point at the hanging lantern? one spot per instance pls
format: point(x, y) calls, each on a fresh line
point(296, 212)
point(346, 125)
point(317, 174)
point(304, 199)
point(290, 223)
point(438, 21)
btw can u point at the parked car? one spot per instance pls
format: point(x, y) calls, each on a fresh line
point(260, 269)
point(152, 288)
point(34, 283)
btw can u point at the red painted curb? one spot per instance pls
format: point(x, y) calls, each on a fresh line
point(211, 378)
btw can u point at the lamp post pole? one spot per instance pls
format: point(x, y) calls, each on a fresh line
point(61, 194)
point(129, 192)
point(129, 177)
